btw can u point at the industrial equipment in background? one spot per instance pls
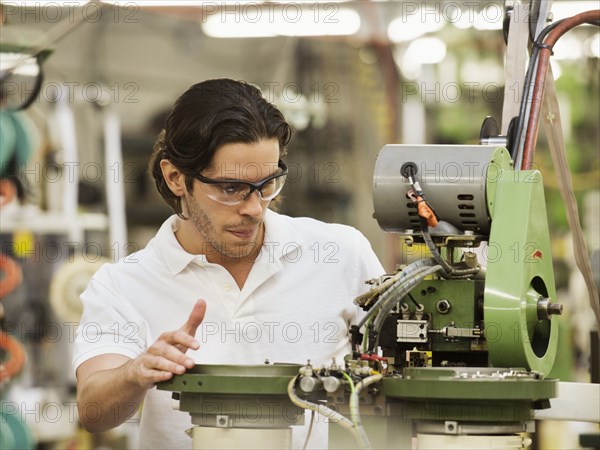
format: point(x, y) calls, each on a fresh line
point(15, 149)
point(454, 348)
point(25, 391)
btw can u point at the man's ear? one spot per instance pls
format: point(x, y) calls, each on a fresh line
point(173, 177)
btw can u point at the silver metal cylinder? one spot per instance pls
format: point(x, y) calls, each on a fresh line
point(331, 384)
point(453, 179)
point(309, 384)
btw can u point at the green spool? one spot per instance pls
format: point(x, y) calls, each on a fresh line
point(14, 434)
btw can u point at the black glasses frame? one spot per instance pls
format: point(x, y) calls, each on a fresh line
point(253, 186)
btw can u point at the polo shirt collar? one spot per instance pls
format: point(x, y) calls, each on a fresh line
point(173, 254)
point(278, 234)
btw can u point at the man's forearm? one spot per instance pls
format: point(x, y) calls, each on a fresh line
point(108, 398)
point(110, 387)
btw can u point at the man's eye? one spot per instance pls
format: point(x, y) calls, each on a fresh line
point(232, 188)
point(268, 187)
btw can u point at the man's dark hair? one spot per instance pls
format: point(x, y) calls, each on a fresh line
point(207, 116)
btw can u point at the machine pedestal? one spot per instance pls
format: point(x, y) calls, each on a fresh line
point(247, 438)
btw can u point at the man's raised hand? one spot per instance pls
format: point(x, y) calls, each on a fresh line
point(167, 355)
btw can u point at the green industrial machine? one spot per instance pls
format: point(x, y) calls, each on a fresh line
point(468, 330)
point(453, 348)
point(238, 406)
point(497, 312)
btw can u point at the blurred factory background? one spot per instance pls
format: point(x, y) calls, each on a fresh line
point(350, 77)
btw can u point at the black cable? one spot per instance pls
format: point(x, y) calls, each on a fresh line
point(409, 295)
point(37, 86)
point(409, 171)
point(535, 50)
point(373, 338)
point(310, 427)
point(541, 46)
point(528, 85)
point(508, 12)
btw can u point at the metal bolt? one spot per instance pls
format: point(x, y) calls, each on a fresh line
point(334, 365)
point(471, 259)
point(555, 308)
point(222, 421)
point(451, 427)
point(545, 308)
point(443, 306)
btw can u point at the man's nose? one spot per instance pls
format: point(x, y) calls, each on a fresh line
point(252, 205)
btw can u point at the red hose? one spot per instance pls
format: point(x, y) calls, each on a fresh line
point(15, 359)
point(10, 274)
point(7, 191)
point(540, 79)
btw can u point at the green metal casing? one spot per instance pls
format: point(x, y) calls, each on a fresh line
point(462, 296)
point(519, 271)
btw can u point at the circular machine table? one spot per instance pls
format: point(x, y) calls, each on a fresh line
point(471, 396)
point(230, 403)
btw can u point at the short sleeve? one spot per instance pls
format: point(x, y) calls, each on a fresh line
point(368, 265)
point(108, 324)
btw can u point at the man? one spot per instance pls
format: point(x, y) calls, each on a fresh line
point(225, 280)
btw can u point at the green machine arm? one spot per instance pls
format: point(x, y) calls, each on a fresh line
point(521, 326)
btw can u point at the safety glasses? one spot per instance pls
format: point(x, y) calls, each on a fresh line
point(233, 192)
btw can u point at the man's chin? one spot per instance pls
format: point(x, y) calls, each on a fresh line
point(240, 250)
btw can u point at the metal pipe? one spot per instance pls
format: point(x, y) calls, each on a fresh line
point(540, 79)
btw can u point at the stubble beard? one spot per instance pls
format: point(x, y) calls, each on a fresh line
point(207, 229)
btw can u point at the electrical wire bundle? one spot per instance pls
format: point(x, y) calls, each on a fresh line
point(401, 286)
point(325, 411)
point(353, 425)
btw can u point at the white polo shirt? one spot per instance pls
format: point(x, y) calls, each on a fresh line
point(295, 305)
